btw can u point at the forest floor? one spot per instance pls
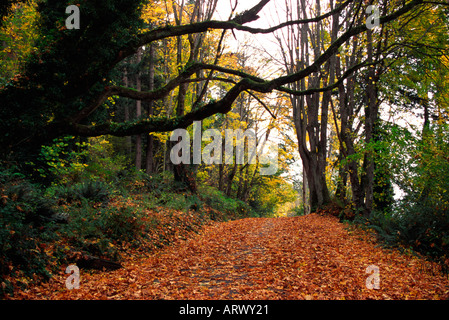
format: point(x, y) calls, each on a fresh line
point(308, 257)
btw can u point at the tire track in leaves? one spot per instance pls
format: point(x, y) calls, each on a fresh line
point(309, 257)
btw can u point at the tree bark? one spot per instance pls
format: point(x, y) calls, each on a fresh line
point(149, 163)
point(229, 179)
point(139, 113)
point(311, 133)
point(371, 112)
point(126, 111)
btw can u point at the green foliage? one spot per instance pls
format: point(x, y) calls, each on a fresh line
point(66, 161)
point(220, 202)
point(103, 163)
point(432, 168)
point(17, 35)
point(426, 230)
point(160, 190)
point(65, 72)
point(420, 167)
point(95, 191)
point(297, 211)
point(270, 193)
point(24, 214)
point(63, 161)
point(383, 193)
point(98, 231)
point(420, 228)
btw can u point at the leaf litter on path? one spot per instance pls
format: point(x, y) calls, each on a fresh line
point(308, 257)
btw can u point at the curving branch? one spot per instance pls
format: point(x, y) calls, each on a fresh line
point(235, 24)
point(345, 75)
point(225, 104)
point(156, 94)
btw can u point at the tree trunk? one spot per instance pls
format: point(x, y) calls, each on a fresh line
point(139, 114)
point(149, 163)
point(243, 180)
point(340, 192)
point(371, 112)
point(316, 178)
point(310, 113)
point(305, 200)
point(126, 109)
point(230, 179)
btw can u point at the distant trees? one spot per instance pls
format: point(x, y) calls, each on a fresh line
point(358, 79)
point(300, 46)
point(81, 82)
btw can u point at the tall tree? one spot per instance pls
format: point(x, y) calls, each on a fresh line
point(300, 46)
point(138, 110)
point(149, 163)
point(53, 98)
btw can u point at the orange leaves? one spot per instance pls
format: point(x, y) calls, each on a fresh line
point(310, 257)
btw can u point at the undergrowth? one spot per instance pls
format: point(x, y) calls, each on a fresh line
point(139, 214)
point(419, 229)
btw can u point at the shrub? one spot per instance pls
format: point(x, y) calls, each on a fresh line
point(95, 191)
point(24, 227)
point(422, 228)
point(123, 224)
point(297, 211)
point(102, 163)
point(420, 221)
point(220, 202)
point(158, 183)
point(425, 229)
point(63, 161)
point(383, 224)
point(67, 162)
point(98, 231)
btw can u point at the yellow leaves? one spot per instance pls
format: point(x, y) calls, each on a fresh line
point(154, 12)
point(161, 136)
point(18, 33)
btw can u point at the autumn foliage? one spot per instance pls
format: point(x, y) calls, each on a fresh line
point(86, 167)
point(308, 257)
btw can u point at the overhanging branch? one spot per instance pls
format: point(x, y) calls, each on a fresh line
point(247, 83)
point(234, 24)
point(158, 93)
point(345, 75)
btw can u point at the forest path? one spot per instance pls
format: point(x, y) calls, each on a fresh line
point(308, 257)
